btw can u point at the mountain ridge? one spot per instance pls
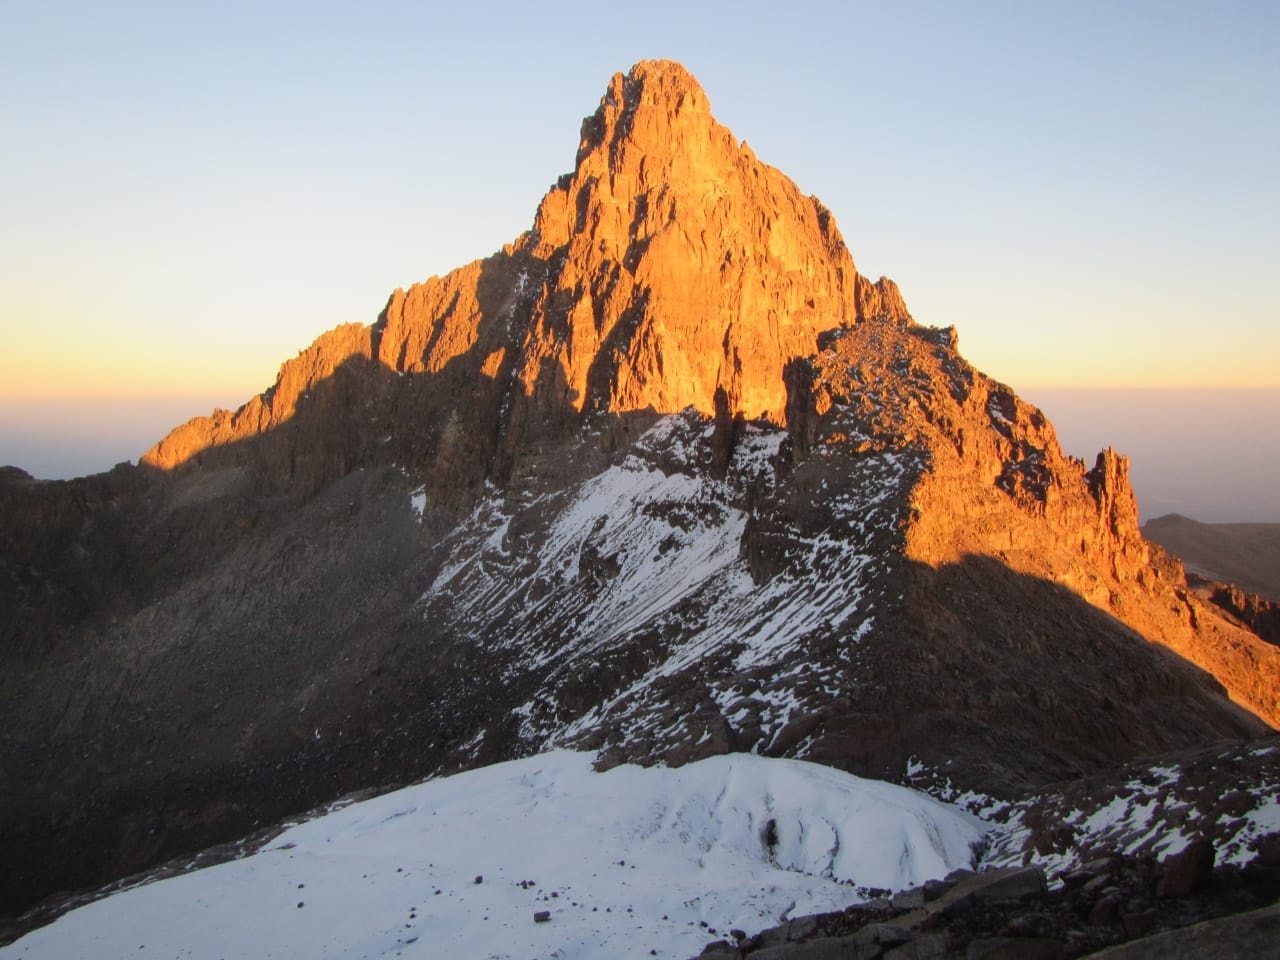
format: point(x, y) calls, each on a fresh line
point(581, 310)
point(663, 478)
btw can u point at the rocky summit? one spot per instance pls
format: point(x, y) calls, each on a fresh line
point(664, 478)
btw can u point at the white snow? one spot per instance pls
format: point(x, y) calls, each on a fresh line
point(1265, 817)
point(994, 411)
point(627, 861)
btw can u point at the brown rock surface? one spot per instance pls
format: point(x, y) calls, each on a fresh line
point(1258, 614)
point(996, 486)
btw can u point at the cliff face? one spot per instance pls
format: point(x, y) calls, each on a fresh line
point(665, 477)
point(997, 521)
point(669, 268)
point(997, 485)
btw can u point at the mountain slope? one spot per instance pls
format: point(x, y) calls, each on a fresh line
point(664, 478)
point(1246, 554)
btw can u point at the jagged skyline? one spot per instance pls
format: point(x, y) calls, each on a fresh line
point(207, 194)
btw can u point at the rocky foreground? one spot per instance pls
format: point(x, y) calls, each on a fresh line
point(1180, 858)
point(1113, 907)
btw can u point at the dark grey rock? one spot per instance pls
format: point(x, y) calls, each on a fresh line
point(947, 911)
point(1096, 885)
point(884, 934)
point(801, 927)
point(720, 948)
point(822, 948)
point(1015, 948)
point(1105, 911)
point(925, 946)
point(1140, 923)
point(908, 899)
point(933, 889)
point(1016, 884)
point(1255, 934)
point(1035, 924)
point(1187, 871)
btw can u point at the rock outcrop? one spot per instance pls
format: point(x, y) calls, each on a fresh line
point(1258, 614)
point(994, 485)
point(664, 477)
point(1111, 907)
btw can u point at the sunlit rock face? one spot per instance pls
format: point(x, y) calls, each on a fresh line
point(663, 478)
point(669, 268)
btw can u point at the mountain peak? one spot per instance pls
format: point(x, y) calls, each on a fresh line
point(664, 85)
point(670, 74)
point(645, 106)
point(670, 269)
point(705, 270)
point(546, 501)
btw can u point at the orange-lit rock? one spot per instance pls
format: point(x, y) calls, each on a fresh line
point(670, 264)
point(997, 485)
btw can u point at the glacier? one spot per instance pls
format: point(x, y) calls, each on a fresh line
point(625, 862)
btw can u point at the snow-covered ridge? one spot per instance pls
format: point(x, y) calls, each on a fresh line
point(623, 862)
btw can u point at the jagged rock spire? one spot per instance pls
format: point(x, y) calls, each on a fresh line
point(669, 268)
point(697, 267)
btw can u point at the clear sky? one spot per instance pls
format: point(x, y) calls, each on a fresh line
point(191, 192)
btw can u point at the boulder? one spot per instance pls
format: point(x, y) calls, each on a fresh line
point(1187, 871)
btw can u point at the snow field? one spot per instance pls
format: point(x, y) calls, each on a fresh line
point(625, 862)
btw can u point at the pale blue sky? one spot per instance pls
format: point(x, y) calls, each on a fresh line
point(190, 193)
